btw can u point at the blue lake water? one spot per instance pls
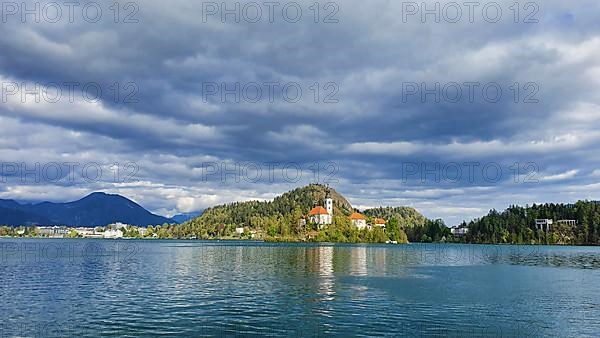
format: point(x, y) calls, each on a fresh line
point(58, 288)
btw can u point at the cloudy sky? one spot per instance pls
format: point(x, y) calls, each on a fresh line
point(181, 105)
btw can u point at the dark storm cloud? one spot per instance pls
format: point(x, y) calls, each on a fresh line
point(366, 119)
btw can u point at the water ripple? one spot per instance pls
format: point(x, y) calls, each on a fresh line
point(196, 289)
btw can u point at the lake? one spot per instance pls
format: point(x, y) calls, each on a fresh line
point(58, 288)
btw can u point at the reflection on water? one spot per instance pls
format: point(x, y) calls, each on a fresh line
point(359, 261)
point(178, 288)
point(325, 272)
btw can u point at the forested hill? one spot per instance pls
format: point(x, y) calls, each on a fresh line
point(516, 225)
point(280, 220)
point(284, 211)
point(407, 217)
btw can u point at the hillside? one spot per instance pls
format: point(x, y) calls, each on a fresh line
point(280, 219)
point(97, 209)
point(290, 207)
point(407, 217)
point(516, 225)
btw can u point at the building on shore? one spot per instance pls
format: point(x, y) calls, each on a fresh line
point(320, 216)
point(323, 215)
point(568, 222)
point(379, 222)
point(112, 234)
point(459, 231)
point(544, 224)
point(88, 233)
point(53, 232)
point(239, 231)
point(358, 220)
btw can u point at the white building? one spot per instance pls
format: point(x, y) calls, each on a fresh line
point(569, 222)
point(543, 224)
point(459, 231)
point(85, 231)
point(113, 234)
point(88, 233)
point(323, 216)
point(239, 231)
point(320, 216)
point(358, 220)
point(53, 232)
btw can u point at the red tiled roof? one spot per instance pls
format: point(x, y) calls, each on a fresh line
point(318, 211)
point(379, 221)
point(357, 216)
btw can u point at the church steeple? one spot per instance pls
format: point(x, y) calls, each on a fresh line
point(328, 202)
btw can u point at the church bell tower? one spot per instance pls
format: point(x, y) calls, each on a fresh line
point(329, 202)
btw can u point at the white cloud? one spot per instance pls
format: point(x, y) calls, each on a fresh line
point(562, 176)
point(369, 54)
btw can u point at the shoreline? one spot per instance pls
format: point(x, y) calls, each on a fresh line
point(296, 242)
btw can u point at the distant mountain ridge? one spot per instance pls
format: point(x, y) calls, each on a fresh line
point(15, 217)
point(182, 218)
point(96, 209)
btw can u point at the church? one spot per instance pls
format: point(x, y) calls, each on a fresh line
point(322, 215)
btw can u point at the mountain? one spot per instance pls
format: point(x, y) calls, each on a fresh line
point(97, 209)
point(182, 218)
point(10, 216)
point(9, 204)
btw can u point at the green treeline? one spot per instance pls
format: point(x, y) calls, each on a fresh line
point(516, 225)
point(416, 226)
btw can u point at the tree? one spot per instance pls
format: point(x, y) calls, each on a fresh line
point(72, 234)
